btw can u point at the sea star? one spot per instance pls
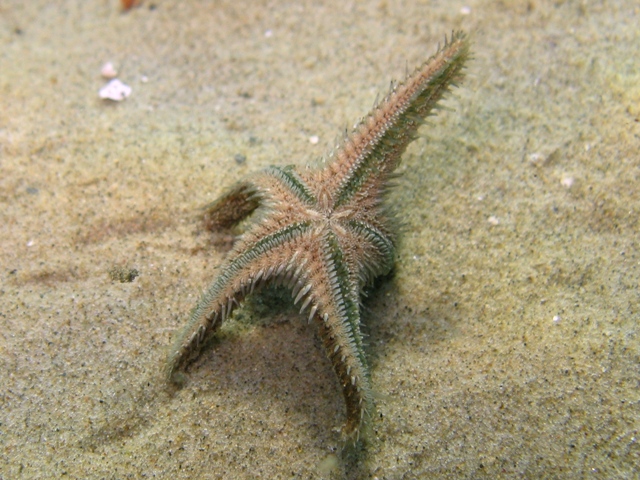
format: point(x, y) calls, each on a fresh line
point(324, 233)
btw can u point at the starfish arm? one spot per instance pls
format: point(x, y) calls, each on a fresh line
point(289, 178)
point(249, 263)
point(245, 197)
point(376, 252)
point(352, 373)
point(339, 328)
point(374, 149)
point(233, 206)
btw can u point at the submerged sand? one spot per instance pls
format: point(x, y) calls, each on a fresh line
point(506, 342)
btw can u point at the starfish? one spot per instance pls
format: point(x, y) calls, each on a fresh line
point(325, 233)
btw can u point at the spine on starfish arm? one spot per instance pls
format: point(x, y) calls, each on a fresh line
point(378, 141)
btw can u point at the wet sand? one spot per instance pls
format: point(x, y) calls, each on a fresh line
point(504, 344)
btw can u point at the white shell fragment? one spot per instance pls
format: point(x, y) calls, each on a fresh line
point(567, 182)
point(108, 70)
point(115, 90)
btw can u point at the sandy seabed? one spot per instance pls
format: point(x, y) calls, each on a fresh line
point(506, 342)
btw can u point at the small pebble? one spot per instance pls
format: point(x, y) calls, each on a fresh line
point(240, 158)
point(567, 182)
point(314, 139)
point(123, 274)
point(536, 158)
point(493, 220)
point(115, 90)
point(108, 70)
point(128, 4)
